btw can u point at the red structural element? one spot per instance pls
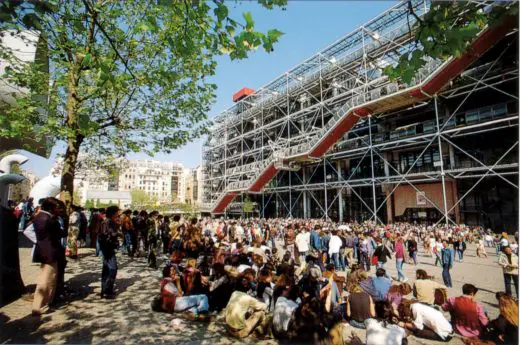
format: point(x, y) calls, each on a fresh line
point(342, 127)
point(264, 177)
point(242, 93)
point(226, 200)
point(479, 46)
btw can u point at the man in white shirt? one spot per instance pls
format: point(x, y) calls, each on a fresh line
point(335, 244)
point(428, 323)
point(303, 242)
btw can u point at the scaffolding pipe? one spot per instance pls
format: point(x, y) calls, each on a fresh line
point(443, 177)
point(374, 205)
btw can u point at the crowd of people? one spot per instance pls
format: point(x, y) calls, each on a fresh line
point(291, 279)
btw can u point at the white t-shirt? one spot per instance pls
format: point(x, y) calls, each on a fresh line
point(504, 242)
point(379, 335)
point(283, 311)
point(303, 240)
point(334, 244)
point(424, 315)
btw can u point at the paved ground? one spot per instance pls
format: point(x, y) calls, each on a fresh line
point(85, 318)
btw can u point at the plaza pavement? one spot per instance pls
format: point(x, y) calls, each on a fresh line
point(85, 318)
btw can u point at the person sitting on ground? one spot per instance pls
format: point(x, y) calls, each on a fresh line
point(505, 326)
point(381, 285)
point(467, 316)
point(396, 293)
point(424, 288)
point(264, 288)
point(284, 310)
point(220, 288)
point(173, 300)
point(424, 321)
point(244, 314)
point(360, 307)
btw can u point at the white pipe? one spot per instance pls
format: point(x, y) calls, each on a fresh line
point(46, 187)
point(5, 181)
point(7, 161)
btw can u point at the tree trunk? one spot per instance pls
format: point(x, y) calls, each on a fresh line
point(73, 144)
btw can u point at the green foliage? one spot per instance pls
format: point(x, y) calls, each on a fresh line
point(188, 210)
point(76, 198)
point(446, 30)
point(123, 76)
point(247, 206)
point(89, 204)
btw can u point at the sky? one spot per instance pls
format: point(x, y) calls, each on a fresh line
point(308, 27)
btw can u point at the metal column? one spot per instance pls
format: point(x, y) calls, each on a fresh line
point(304, 175)
point(374, 211)
point(325, 188)
point(340, 196)
point(443, 178)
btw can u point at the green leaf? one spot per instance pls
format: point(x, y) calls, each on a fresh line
point(274, 35)
point(249, 20)
point(86, 60)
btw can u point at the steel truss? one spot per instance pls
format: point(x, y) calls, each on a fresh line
point(285, 119)
point(443, 135)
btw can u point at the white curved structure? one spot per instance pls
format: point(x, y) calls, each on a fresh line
point(7, 161)
point(46, 187)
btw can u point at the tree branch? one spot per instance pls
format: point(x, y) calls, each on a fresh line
point(412, 12)
point(112, 44)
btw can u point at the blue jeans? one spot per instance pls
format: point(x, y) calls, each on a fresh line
point(335, 260)
point(461, 254)
point(508, 279)
point(195, 304)
point(413, 255)
point(356, 324)
point(446, 275)
point(108, 275)
point(399, 265)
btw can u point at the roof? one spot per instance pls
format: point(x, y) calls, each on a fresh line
point(111, 195)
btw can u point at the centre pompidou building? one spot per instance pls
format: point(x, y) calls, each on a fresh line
point(335, 138)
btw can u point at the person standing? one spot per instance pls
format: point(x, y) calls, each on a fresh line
point(73, 233)
point(165, 234)
point(27, 212)
point(48, 253)
point(382, 253)
point(399, 259)
point(289, 241)
point(303, 241)
point(447, 257)
point(127, 227)
point(108, 243)
point(509, 262)
point(153, 229)
point(95, 226)
point(412, 249)
point(334, 250)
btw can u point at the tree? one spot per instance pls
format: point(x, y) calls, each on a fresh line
point(76, 198)
point(188, 210)
point(89, 204)
point(247, 206)
point(446, 30)
point(125, 76)
point(140, 199)
point(98, 203)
